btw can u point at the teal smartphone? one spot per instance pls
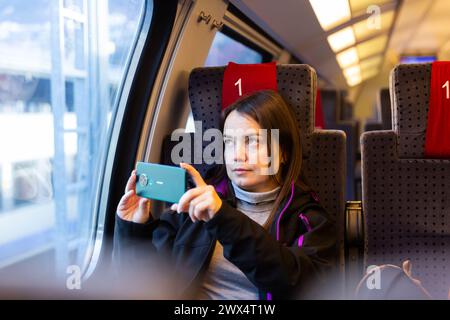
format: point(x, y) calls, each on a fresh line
point(160, 182)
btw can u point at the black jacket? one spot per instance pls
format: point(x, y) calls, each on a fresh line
point(283, 264)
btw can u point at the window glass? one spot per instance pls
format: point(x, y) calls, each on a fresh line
point(225, 49)
point(61, 66)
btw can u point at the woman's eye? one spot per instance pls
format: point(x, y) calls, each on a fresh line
point(253, 140)
point(227, 141)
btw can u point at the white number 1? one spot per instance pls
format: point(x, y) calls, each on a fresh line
point(446, 85)
point(239, 84)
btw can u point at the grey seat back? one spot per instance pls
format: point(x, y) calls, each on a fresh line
point(331, 106)
point(384, 103)
point(383, 107)
point(406, 198)
point(323, 150)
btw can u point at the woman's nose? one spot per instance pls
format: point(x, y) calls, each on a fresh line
point(240, 152)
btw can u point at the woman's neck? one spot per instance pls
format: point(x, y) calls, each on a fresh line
point(256, 197)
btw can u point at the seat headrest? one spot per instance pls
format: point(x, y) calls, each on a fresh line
point(330, 106)
point(384, 104)
point(410, 86)
point(244, 79)
point(296, 84)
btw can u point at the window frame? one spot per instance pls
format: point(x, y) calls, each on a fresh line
point(125, 129)
point(241, 28)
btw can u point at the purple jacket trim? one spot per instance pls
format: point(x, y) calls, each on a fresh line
point(284, 209)
point(222, 187)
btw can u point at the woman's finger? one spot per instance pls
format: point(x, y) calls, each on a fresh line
point(131, 183)
point(144, 204)
point(142, 211)
point(196, 176)
point(126, 198)
point(191, 213)
point(187, 197)
point(194, 204)
point(201, 210)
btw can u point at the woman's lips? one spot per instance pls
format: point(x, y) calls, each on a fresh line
point(241, 171)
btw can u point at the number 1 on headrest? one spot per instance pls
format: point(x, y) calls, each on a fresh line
point(239, 84)
point(446, 85)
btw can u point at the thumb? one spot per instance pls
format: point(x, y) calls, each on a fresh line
point(144, 205)
point(406, 266)
point(143, 212)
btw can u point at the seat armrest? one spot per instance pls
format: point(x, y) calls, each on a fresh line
point(354, 245)
point(354, 224)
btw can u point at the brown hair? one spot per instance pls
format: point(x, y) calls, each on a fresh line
point(271, 111)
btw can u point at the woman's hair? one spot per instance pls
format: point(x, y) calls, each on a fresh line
point(271, 111)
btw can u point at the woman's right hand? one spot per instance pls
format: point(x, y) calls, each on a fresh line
point(132, 207)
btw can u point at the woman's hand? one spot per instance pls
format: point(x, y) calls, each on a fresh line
point(201, 202)
point(132, 207)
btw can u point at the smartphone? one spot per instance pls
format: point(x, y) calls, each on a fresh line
point(160, 182)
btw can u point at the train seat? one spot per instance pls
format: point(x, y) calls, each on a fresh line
point(406, 196)
point(323, 150)
point(331, 101)
point(384, 121)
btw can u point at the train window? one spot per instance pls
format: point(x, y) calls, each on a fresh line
point(62, 65)
point(229, 46)
point(224, 49)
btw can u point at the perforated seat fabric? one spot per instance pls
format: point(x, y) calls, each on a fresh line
point(323, 150)
point(406, 200)
point(410, 89)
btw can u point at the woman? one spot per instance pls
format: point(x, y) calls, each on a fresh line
point(252, 236)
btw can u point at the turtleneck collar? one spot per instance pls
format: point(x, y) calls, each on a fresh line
point(255, 197)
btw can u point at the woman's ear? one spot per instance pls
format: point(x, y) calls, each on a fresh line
point(283, 158)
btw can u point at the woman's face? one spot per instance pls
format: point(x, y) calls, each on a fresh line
point(246, 154)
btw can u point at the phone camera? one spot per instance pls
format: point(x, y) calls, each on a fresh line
point(143, 180)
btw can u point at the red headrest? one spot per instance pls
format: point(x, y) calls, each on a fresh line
point(319, 121)
point(437, 138)
point(243, 79)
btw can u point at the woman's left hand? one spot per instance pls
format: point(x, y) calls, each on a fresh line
point(202, 202)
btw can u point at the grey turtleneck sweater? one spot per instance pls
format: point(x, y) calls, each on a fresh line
point(223, 280)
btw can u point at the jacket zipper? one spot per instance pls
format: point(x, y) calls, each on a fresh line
point(268, 294)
